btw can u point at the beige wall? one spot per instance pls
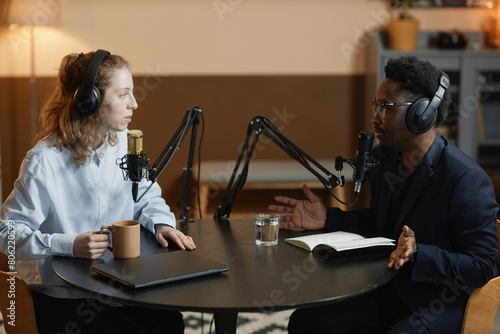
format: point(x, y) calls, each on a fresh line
point(198, 37)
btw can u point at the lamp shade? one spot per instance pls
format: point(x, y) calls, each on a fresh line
point(32, 12)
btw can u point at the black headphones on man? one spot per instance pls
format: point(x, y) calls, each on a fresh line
point(422, 114)
point(88, 97)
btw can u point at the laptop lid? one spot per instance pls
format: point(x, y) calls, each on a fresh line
point(159, 268)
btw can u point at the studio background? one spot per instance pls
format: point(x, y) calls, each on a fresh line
point(302, 64)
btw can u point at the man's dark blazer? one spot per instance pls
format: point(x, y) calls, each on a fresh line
point(451, 207)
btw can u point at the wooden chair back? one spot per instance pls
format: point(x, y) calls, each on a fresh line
point(483, 304)
point(16, 303)
point(4, 262)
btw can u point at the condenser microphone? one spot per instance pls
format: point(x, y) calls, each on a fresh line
point(136, 160)
point(362, 161)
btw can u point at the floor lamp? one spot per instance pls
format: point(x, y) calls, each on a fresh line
point(18, 18)
point(30, 15)
point(22, 16)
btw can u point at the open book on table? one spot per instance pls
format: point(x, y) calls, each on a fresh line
point(339, 240)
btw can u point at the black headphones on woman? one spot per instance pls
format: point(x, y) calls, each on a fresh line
point(88, 97)
point(422, 114)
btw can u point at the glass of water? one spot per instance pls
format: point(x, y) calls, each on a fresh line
point(267, 226)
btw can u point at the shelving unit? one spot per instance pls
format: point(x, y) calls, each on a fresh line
point(474, 118)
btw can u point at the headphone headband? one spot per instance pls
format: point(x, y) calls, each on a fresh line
point(444, 84)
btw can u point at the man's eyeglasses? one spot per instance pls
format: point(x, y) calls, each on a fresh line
point(380, 107)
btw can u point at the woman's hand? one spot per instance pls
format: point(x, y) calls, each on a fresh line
point(166, 232)
point(90, 245)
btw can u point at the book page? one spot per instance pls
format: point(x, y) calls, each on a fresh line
point(339, 241)
point(362, 243)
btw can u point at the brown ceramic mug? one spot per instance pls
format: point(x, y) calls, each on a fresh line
point(126, 238)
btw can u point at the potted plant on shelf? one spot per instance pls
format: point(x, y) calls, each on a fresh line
point(403, 28)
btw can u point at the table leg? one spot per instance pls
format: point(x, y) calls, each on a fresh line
point(225, 322)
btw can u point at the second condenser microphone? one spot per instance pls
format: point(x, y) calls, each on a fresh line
point(136, 160)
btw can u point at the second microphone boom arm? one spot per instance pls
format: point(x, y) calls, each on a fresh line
point(261, 125)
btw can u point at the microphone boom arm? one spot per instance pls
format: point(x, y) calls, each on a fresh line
point(191, 120)
point(261, 125)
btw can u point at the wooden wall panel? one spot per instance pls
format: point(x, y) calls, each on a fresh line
point(15, 128)
point(320, 114)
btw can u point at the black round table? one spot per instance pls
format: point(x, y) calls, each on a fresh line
point(259, 279)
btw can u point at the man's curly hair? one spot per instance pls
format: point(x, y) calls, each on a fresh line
point(419, 79)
